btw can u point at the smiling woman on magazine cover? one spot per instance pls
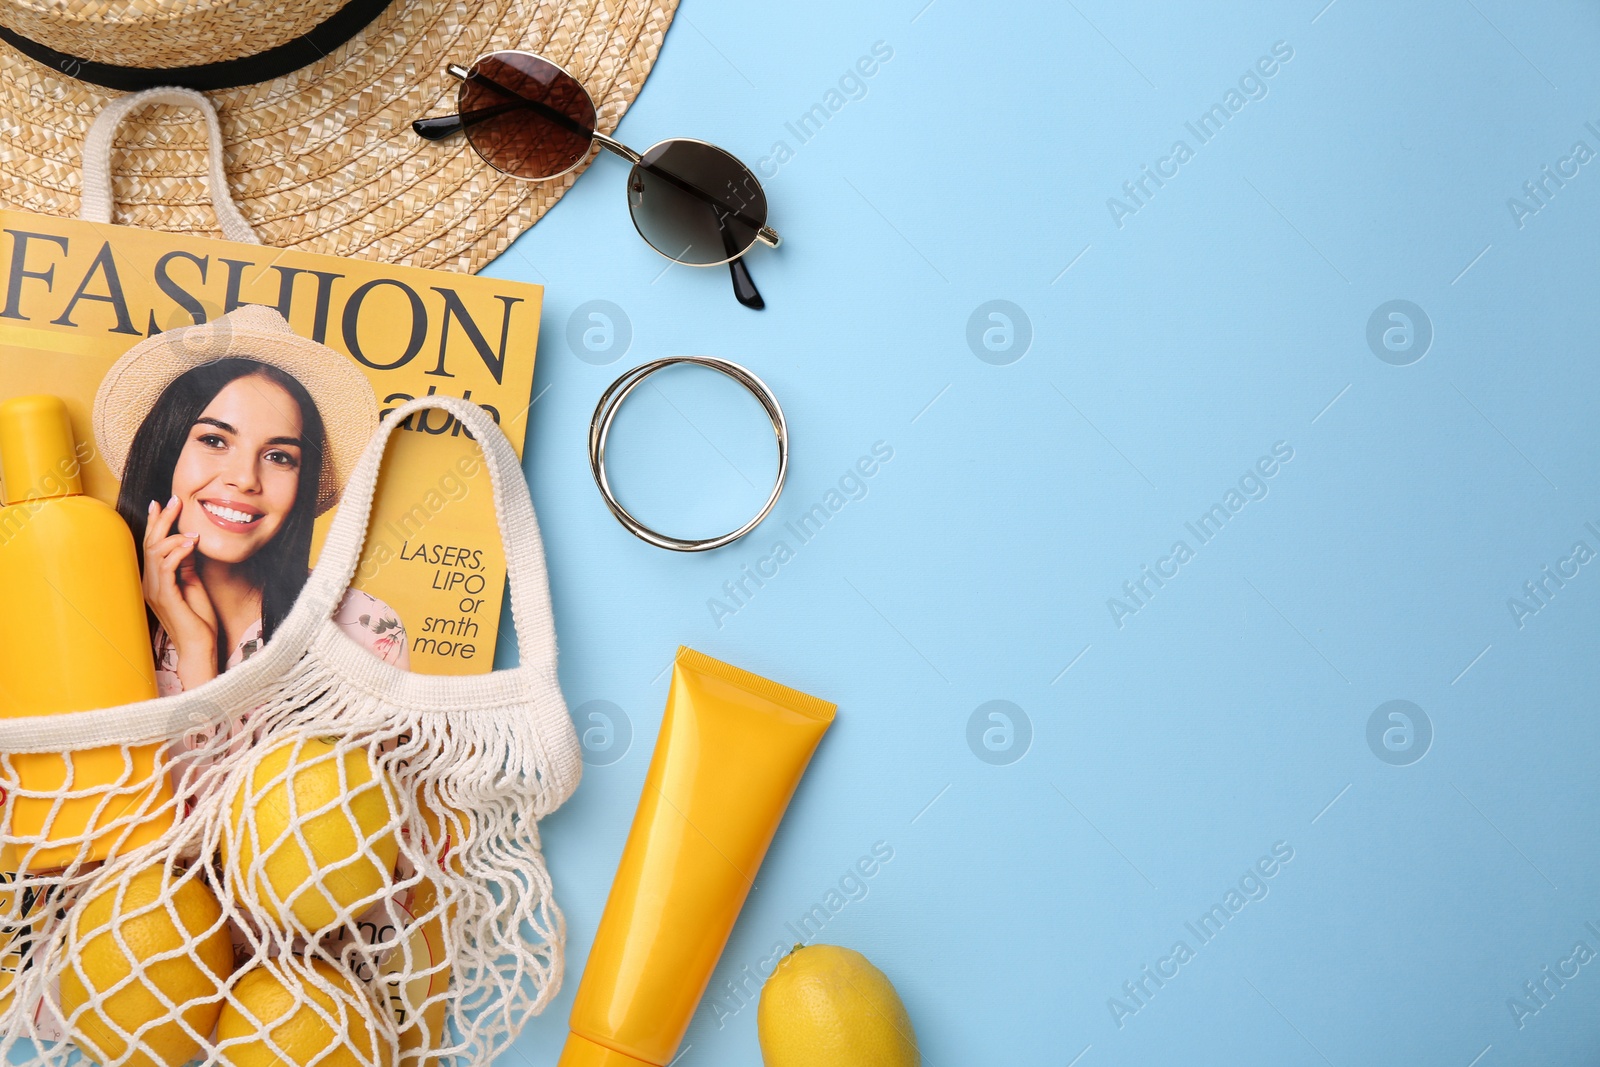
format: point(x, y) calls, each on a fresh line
point(245, 433)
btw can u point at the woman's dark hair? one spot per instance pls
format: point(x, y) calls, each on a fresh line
point(279, 570)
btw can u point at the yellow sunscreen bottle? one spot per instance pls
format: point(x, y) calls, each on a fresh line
point(73, 636)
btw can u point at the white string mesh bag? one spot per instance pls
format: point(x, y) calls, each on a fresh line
point(353, 875)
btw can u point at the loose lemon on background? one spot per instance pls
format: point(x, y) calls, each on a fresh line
point(826, 1006)
point(346, 858)
point(102, 1032)
point(273, 1000)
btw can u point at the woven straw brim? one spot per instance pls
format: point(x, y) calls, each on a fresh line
point(343, 396)
point(324, 159)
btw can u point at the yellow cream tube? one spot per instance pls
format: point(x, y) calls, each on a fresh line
point(731, 751)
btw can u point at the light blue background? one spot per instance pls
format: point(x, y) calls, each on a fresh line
point(1230, 713)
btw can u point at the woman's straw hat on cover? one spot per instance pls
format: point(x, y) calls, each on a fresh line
point(343, 396)
point(316, 99)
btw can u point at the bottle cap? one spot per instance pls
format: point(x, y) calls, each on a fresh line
point(38, 456)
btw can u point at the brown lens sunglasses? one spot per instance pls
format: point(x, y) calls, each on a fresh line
point(691, 201)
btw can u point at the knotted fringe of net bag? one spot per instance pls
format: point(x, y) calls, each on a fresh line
point(352, 876)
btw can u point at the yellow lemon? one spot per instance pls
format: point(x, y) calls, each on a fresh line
point(270, 1000)
point(337, 858)
point(827, 1006)
point(103, 1031)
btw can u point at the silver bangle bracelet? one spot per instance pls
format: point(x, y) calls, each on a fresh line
point(605, 412)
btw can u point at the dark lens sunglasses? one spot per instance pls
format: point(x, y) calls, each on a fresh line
point(691, 201)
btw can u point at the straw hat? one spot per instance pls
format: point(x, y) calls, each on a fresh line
point(320, 157)
point(344, 398)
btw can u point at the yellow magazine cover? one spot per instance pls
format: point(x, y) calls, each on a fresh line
point(76, 296)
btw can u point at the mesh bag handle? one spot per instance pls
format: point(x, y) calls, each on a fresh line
point(97, 193)
point(519, 530)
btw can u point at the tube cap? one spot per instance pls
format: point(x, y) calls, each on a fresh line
point(579, 1051)
point(38, 456)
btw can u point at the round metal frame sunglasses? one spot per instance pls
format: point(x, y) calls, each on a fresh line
point(693, 202)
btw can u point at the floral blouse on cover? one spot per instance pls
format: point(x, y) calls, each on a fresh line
point(368, 621)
